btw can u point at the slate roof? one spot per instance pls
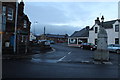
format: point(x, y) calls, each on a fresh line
point(56, 36)
point(108, 24)
point(82, 33)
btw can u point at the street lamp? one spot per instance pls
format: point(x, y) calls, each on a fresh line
point(102, 20)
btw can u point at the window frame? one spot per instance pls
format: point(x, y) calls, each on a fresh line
point(116, 40)
point(25, 24)
point(10, 13)
point(96, 29)
point(117, 28)
point(4, 9)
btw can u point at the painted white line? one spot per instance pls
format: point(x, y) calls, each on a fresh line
point(52, 51)
point(61, 58)
point(69, 53)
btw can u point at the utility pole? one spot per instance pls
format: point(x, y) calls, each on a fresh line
point(0, 39)
point(44, 32)
point(15, 33)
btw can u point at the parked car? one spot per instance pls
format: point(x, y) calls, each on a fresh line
point(60, 41)
point(114, 48)
point(51, 41)
point(44, 42)
point(89, 46)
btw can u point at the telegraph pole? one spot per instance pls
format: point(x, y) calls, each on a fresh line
point(44, 32)
point(0, 39)
point(15, 33)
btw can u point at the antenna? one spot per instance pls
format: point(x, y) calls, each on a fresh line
point(100, 14)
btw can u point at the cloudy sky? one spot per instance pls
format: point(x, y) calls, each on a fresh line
point(67, 17)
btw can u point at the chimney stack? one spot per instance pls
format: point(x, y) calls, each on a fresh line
point(97, 21)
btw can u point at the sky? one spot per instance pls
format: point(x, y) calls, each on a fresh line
point(67, 17)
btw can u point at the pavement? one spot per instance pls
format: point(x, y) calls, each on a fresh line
point(34, 50)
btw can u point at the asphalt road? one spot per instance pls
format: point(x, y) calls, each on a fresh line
point(62, 62)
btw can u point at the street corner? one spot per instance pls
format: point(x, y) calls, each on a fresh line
point(51, 50)
point(16, 57)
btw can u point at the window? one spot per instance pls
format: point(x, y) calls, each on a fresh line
point(25, 24)
point(3, 18)
point(4, 10)
point(10, 14)
point(95, 41)
point(96, 29)
point(116, 28)
point(116, 40)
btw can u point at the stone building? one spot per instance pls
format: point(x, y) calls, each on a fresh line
point(8, 25)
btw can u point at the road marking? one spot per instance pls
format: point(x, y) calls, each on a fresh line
point(69, 53)
point(61, 58)
point(52, 51)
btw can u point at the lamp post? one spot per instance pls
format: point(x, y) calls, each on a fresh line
point(102, 20)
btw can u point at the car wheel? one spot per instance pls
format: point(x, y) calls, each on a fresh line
point(118, 51)
point(91, 49)
point(81, 47)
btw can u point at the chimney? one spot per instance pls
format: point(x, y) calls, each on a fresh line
point(87, 27)
point(21, 8)
point(97, 21)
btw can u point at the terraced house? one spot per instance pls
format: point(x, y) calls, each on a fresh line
point(112, 28)
point(8, 27)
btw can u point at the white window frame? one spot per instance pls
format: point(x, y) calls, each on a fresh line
point(25, 24)
point(117, 26)
point(10, 14)
point(4, 18)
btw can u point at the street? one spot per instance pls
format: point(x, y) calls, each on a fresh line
point(62, 62)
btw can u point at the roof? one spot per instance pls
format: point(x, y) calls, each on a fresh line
point(82, 33)
point(108, 24)
point(56, 36)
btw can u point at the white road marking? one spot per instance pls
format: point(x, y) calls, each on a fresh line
point(61, 58)
point(69, 52)
point(52, 51)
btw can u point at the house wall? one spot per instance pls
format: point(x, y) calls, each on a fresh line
point(93, 35)
point(110, 32)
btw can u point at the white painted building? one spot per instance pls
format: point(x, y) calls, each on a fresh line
point(112, 28)
point(78, 37)
point(32, 37)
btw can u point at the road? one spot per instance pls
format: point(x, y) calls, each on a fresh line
point(62, 62)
